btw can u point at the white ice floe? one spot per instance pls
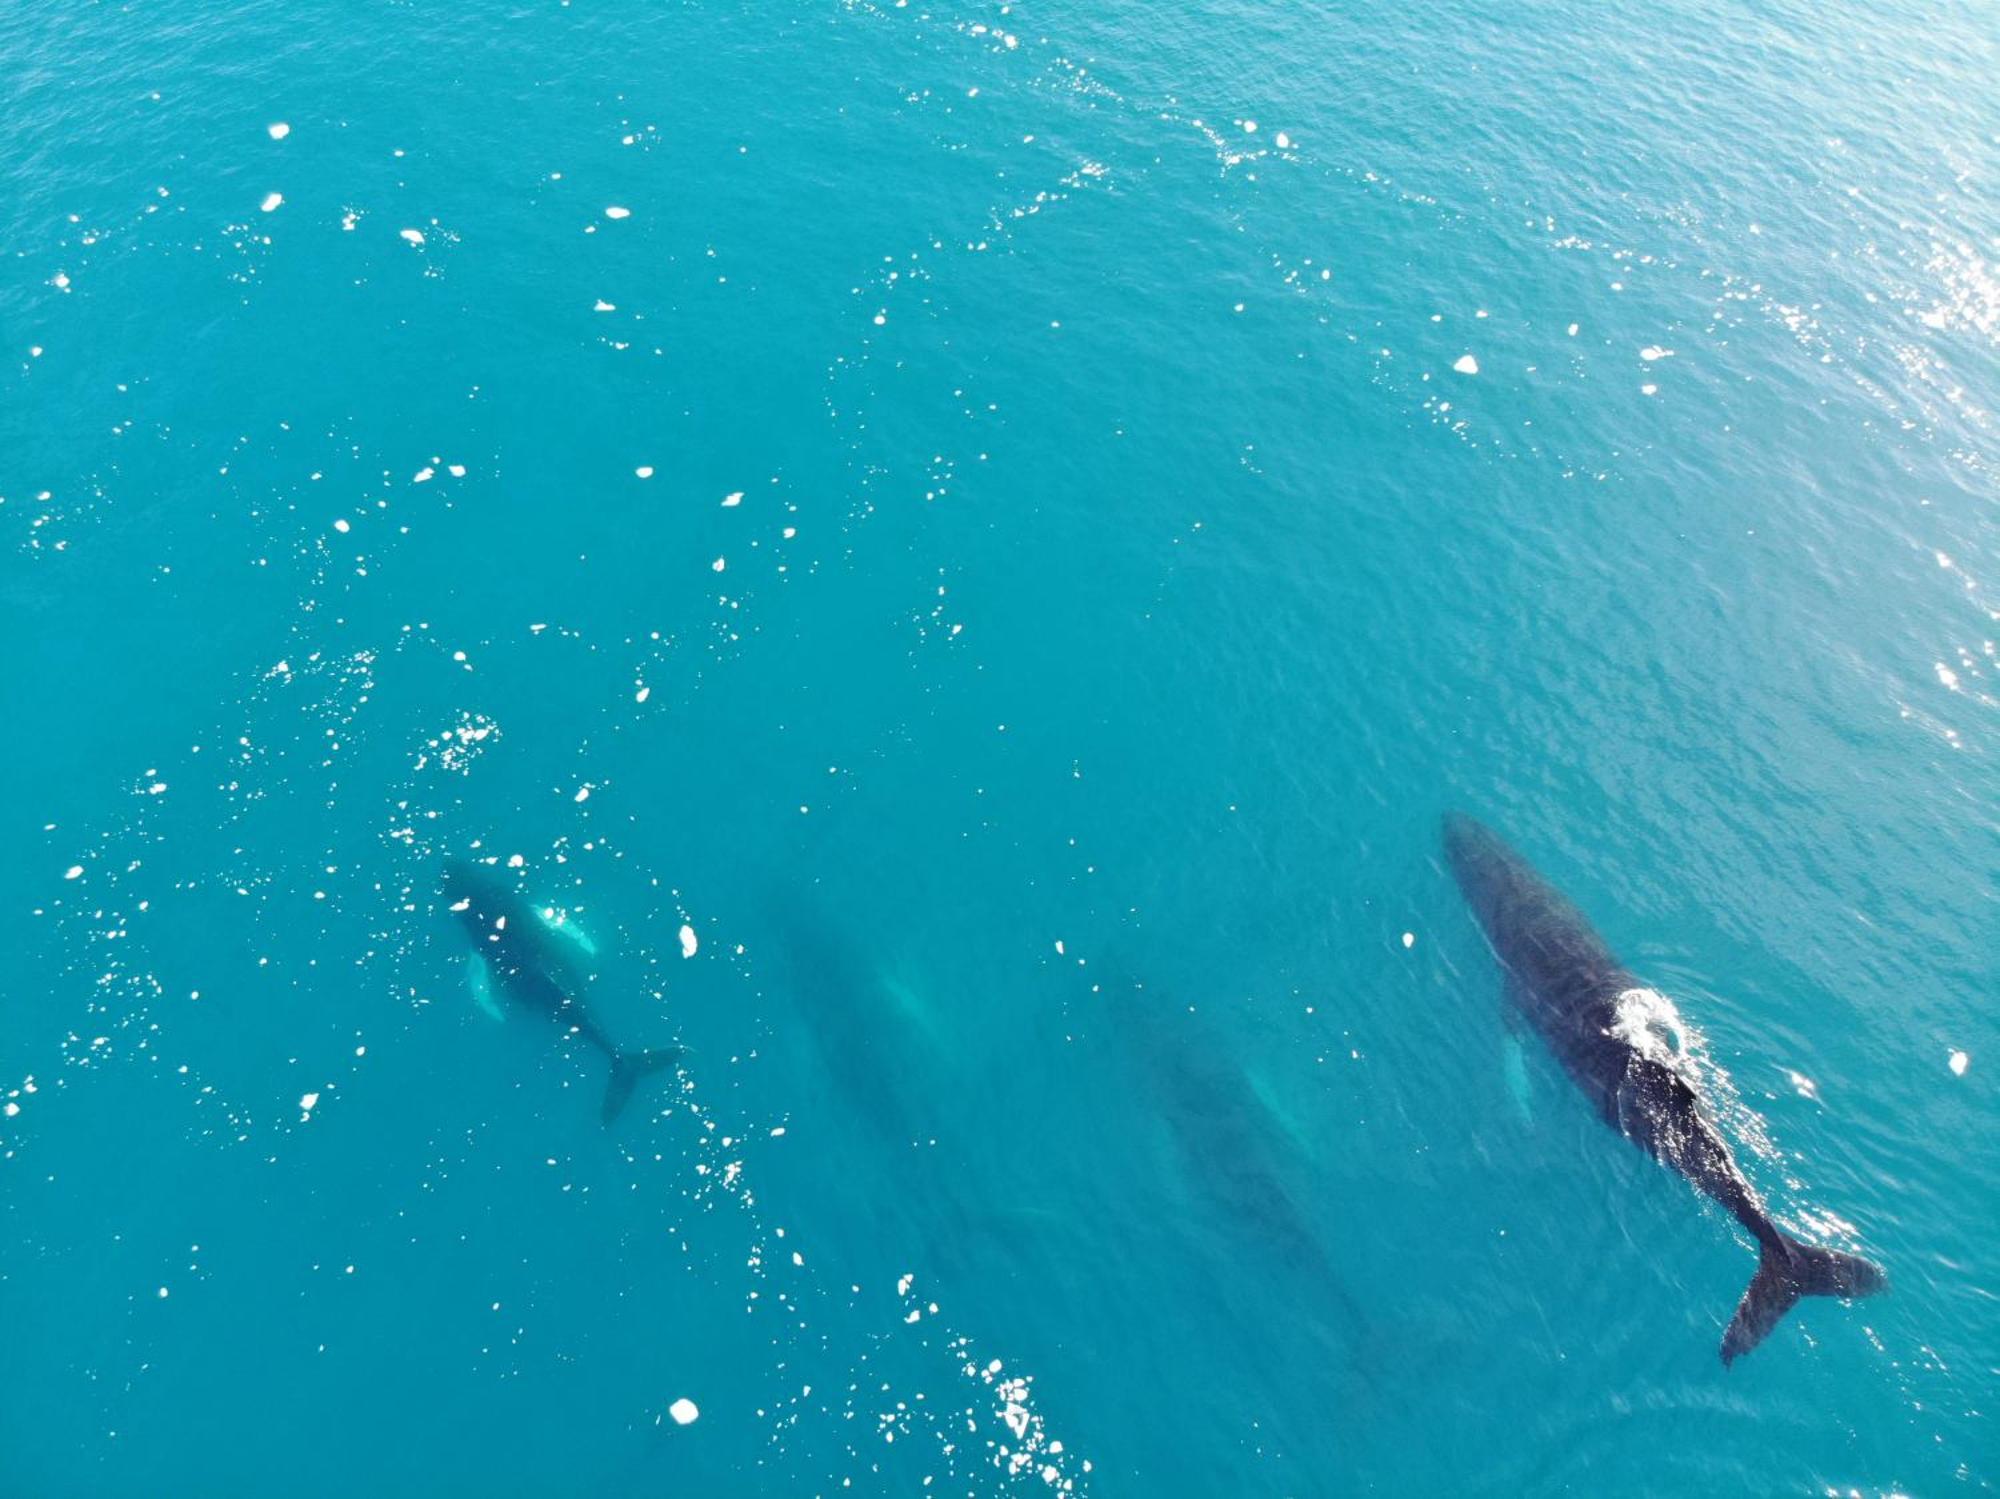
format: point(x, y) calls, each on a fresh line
point(616, 212)
point(1959, 1062)
point(272, 202)
point(684, 1411)
point(1467, 365)
point(690, 943)
point(278, 130)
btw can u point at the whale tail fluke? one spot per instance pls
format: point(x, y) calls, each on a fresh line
point(1787, 1271)
point(628, 1068)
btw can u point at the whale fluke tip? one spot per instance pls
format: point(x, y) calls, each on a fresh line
point(628, 1068)
point(1788, 1270)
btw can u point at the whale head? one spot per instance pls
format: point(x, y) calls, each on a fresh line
point(473, 894)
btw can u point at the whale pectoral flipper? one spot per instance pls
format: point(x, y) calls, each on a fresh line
point(479, 981)
point(1514, 1070)
point(628, 1067)
point(1788, 1270)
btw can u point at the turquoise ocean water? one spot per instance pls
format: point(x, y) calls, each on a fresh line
point(967, 547)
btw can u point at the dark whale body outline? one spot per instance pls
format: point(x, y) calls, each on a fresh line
point(534, 974)
point(1569, 986)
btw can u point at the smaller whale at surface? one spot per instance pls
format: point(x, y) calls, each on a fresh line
point(1597, 1019)
point(532, 968)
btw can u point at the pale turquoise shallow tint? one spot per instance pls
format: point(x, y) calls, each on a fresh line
point(1084, 543)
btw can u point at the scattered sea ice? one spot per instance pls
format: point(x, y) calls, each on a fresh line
point(603, 306)
point(684, 1411)
point(615, 212)
point(414, 236)
point(1409, 939)
point(718, 564)
point(644, 470)
point(732, 500)
point(1959, 1062)
point(278, 130)
point(272, 202)
point(689, 942)
point(1467, 365)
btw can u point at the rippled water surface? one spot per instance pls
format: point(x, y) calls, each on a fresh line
point(965, 548)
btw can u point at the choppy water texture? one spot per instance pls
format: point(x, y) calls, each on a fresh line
point(967, 547)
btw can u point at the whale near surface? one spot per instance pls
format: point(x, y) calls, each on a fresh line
point(530, 966)
point(1590, 1011)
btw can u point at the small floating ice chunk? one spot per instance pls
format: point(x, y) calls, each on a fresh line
point(341, 524)
point(414, 236)
point(718, 564)
point(278, 130)
point(616, 212)
point(731, 501)
point(1284, 141)
point(1654, 351)
point(307, 1102)
point(1409, 939)
point(272, 202)
point(456, 470)
point(163, 1293)
point(642, 694)
point(423, 475)
point(604, 306)
point(1649, 390)
point(583, 793)
point(1947, 676)
point(644, 470)
point(684, 1411)
point(689, 941)
point(1959, 1062)
point(1467, 365)
point(74, 872)
point(12, 1109)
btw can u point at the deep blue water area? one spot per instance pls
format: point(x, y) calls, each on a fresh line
point(958, 553)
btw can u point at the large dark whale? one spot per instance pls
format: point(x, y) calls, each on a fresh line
point(1593, 1015)
point(530, 966)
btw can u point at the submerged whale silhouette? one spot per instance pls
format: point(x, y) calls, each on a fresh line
point(1588, 1009)
point(532, 971)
